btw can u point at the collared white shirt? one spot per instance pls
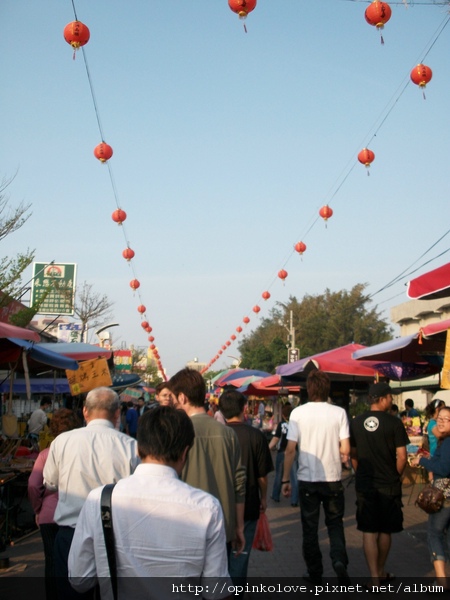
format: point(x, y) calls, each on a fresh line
point(163, 528)
point(318, 427)
point(81, 460)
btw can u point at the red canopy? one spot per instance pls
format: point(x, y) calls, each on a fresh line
point(432, 285)
point(11, 331)
point(337, 362)
point(270, 386)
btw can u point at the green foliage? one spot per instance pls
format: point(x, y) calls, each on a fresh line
point(12, 268)
point(321, 322)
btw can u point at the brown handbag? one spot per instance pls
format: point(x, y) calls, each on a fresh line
point(430, 499)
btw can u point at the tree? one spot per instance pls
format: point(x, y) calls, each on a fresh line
point(321, 322)
point(12, 268)
point(91, 308)
point(141, 365)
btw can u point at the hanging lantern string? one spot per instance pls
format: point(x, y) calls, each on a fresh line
point(91, 87)
point(102, 136)
point(376, 127)
point(74, 11)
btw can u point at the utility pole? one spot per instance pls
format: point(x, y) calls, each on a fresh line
point(293, 352)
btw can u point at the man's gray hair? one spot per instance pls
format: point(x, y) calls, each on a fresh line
point(103, 398)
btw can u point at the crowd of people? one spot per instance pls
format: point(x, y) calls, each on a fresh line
point(189, 489)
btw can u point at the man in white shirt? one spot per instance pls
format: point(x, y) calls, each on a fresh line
point(165, 531)
point(322, 433)
point(81, 460)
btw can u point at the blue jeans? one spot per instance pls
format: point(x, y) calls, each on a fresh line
point(279, 465)
point(438, 533)
point(331, 496)
point(238, 565)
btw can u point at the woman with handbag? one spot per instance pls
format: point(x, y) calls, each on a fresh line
point(439, 523)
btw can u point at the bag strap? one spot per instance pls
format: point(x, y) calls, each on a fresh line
point(108, 532)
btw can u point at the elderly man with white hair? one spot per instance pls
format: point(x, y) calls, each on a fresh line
point(81, 460)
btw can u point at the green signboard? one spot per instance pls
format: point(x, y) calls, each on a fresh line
point(54, 288)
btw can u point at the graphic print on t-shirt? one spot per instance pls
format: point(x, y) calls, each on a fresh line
point(371, 423)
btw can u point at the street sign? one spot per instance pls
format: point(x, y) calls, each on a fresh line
point(54, 286)
point(293, 354)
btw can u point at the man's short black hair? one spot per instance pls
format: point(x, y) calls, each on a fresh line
point(164, 433)
point(232, 403)
point(46, 401)
point(190, 383)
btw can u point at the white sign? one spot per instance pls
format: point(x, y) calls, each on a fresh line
point(69, 332)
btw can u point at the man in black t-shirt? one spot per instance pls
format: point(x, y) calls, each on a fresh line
point(257, 460)
point(378, 450)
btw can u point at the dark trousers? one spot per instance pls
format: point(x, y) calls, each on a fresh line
point(331, 496)
point(48, 533)
point(63, 542)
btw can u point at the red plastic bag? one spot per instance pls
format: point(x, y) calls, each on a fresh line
point(263, 538)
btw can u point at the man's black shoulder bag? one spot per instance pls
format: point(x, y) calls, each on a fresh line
point(108, 532)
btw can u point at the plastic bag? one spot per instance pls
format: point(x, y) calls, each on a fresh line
point(263, 538)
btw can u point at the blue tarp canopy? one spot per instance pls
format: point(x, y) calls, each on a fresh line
point(11, 349)
point(44, 385)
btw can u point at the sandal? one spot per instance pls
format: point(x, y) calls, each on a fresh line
point(387, 577)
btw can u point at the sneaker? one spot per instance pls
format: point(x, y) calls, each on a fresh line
point(341, 571)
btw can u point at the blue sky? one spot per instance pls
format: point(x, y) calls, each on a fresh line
point(226, 145)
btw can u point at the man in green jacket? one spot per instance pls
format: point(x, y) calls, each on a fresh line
point(214, 461)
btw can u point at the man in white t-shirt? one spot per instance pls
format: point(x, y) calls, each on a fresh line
point(321, 431)
point(38, 419)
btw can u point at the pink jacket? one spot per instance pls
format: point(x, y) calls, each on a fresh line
point(43, 501)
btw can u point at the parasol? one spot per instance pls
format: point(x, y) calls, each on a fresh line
point(432, 285)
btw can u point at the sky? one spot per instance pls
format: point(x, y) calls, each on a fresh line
point(226, 145)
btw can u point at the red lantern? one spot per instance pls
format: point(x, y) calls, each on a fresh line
point(76, 34)
point(239, 329)
point(282, 274)
point(421, 75)
point(242, 8)
point(134, 284)
point(220, 351)
point(224, 347)
point(148, 329)
point(233, 337)
point(103, 152)
point(300, 247)
point(366, 157)
point(325, 212)
point(128, 254)
point(119, 216)
point(246, 320)
point(228, 343)
point(265, 295)
point(144, 324)
point(141, 309)
point(151, 339)
point(256, 309)
point(378, 14)
point(152, 347)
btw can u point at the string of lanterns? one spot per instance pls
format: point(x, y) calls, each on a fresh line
point(77, 34)
point(377, 14)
